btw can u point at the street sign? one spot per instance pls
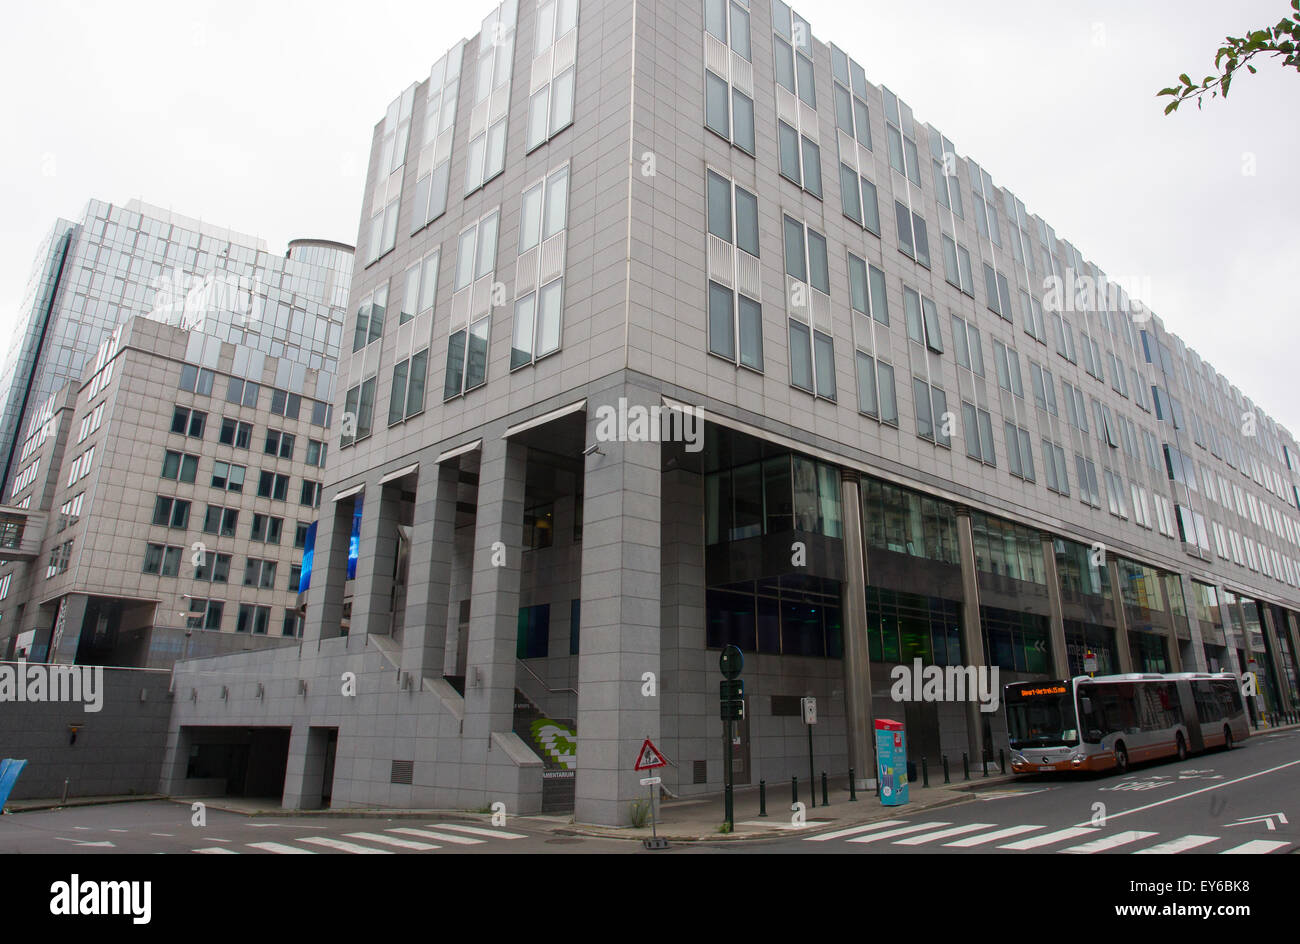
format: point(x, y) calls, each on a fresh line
point(1090, 662)
point(731, 688)
point(651, 781)
point(809, 706)
point(732, 709)
point(649, 758)
point(731, 662)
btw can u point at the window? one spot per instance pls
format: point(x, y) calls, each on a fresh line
point(998, 293)
point(272, 485)
point(286, 404)
point(419, 289)
point(956, 266)
point(228, 476)
point(163, 560)
point(219, 520)
point(435, 153)
point(876, 395)
point(539, 307)
point(467, 346)
point(1054, 466)
point(1116, 494)
point(735, 319)
point(967, 345)
point(242, 392)
point(912, 239)
point(59, 558)
point(407, 397)
point(812, 356)
point(315, 452)
point(369, 325)
point(235, 433)
point(185, 421)
point(728, 23)
point(259, 573)
point(253, 619)
point(550, 109)
point(81, 466)
point(800, 159)
point(179, 466)
point(204, 614)
point(487, 149)
point(1020, 456)
point(1008, 365)
point(279, 444)
point(947, 183)
point(792, 46)
point(358, 413)
point(1086, 473)
point(932, 418)
point(978, 427)
point(267, 529)
point(902, 144)
point(171, 512)
point(390, 161)
point(1044, 388)
point(1075, 411)
point(922, 320)
point(212, 567)
point(310, 494)
point(858, 199)
point(300, 534)
point(292, 625)
point(196, 379)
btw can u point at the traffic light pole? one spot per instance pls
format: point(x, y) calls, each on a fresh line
point(727, 776)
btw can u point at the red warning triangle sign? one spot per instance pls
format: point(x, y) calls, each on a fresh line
point(649, 758)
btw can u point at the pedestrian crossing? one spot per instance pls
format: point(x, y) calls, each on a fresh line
point(374, 842)
point(1024, 837)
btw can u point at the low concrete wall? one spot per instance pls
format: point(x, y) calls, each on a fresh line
point(118, 749)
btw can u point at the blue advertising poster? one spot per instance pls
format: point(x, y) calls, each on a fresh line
point(354, 543)
point(308, 555)
point(891, 756)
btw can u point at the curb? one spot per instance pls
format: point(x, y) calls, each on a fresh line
point(74, 802)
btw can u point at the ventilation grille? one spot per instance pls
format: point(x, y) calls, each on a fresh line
point(701, 771)
point(403, 771)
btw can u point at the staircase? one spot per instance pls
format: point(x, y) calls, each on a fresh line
point(554, 741)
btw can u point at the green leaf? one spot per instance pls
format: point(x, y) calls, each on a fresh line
point(1251, 69)
point(1170, 107)
point(1185, 80)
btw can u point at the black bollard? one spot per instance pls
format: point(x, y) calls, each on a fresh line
point(1002, 761)
point(825, 799)
point(946, 778)
point(925, 772)
point(762, 798)
point(794, 790)
point(853, 787)
point(965, 765)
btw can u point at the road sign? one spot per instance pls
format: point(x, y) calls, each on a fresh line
point(731, 662)
point(1090, 662)
point(809, 706)
point(732, 709)
point(649, 758)
point(731, 688)
point(651, 781)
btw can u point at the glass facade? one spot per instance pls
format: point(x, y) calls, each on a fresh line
point(772, 496)
point(906, 626)
point(791, 615)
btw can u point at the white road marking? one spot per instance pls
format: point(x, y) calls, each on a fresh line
point(1047, 839)
point(1217, 786)
point(839, 833)
point(1004, 833)
point(394, 841)
point(479, 831)
point(943, 834)
point(778, 824)
point(1178, 845)
point(331, 843)
point(1110, 842)
point(900, 831)
point(279, 848)
point(1254, 847)
point(429, 834)
point(218, 849)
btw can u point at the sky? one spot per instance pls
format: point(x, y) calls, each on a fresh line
point(258, 117)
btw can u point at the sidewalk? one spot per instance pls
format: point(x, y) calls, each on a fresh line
point(29, 806)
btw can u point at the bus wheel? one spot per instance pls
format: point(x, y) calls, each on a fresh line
point(1121, 759)
point(1182, 749)
point(1227, 738)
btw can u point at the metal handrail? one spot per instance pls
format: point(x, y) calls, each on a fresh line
point(550, 691)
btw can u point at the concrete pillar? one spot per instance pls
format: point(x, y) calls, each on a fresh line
point(620, 615)
point(1275, 656)
point(1060, 654)
point(494, 607)
point(328, 571)
point(297, 775)
point(684, 715)
point(1199, 661)
point(424, 633)
point(372, 593)
point(1123, 653)
point(972, 632)
point(65, 641)
point(857, 653)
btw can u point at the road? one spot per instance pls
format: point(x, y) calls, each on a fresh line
point(1245, 801)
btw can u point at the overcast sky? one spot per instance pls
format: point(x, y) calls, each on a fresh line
point(258, 116)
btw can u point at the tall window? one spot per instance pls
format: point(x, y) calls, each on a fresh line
point(922, 320)
point(967, 346)
point(1054, 465)
point(735, 314)
point(1008, 365)
point(947, 182)
point(387, 196)
point(550, 108)
point(540, 278)
point(812, 348)
point(956, 266)
point(913, 241)
point(978, 427)
point(358, 412)
point(902, 141)
point(486, 156)
point(439, 131)
point(728, 75)
point(1020, 455)
point(932, 417)
point(471, 315)
point(800, 159)
point(369, 325)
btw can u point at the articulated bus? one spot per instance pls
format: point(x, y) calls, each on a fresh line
point(1111, 721)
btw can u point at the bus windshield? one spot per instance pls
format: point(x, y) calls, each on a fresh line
point(1041, 715)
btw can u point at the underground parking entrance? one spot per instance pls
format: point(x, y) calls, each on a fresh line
point(233, 761)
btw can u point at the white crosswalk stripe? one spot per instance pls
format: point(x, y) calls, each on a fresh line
point(1005, 833)
point(330, 842)
point(942, 834)
point(1109, 842)
point(841, 833)
point(394, 841)
point(479, 831)
point(280, 848)
point(429, 834)
point(1037, 842)
point(1177, 845)
point(1254, 847)
point(216, 849)
point(900, 831)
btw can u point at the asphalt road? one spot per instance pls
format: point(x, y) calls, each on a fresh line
point(1214, 803)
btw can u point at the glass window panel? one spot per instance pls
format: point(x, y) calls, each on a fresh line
point(557, 203)
point(562, 100)
point(715, 105)
point(742, 120)
point(719, 194)
point(722, 332)
point(530, 218)
point(751, 333)
point(800, 357)
point(747, 221)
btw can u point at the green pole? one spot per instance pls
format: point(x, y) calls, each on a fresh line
point(812, 780)
point(727, 780)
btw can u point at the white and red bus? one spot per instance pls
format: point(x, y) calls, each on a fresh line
point(1112, 721)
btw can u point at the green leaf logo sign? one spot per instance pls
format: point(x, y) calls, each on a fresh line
point(559, 742)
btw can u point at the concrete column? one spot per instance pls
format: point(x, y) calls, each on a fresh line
point(1275, 656)
point(297, 775)
point(64, 648)
point(972, 632)
point(1060, 655)
point(328, 571)
point(1199, 662)
point(1122, 651)
point(1290, 628)
point(685, 716)
point(372, 594)
point(494, 607)
point(424, 633)
point(620, 631)
point(857, 653)
point(1171, 641)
